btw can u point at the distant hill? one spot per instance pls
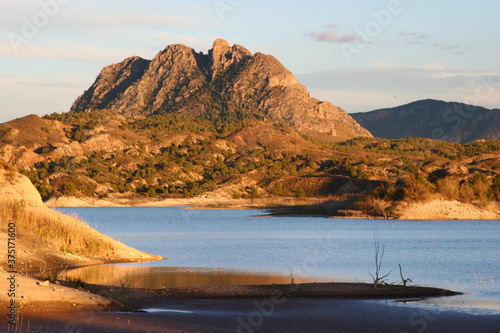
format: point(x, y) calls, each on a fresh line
point(227, 85)
point(439, 120)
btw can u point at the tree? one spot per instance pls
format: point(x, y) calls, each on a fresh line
point(405, 281)
point(379, 256)
point(151, 192)
point(278, 189)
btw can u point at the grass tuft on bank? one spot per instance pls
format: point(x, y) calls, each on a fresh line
point(47, 228)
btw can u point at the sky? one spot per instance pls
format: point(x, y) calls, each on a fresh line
point(360, 55)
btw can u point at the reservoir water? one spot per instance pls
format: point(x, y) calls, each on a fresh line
point(242, 247)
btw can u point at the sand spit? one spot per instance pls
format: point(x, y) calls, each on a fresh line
point(39, 296)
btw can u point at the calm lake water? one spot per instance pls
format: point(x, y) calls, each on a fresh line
point(238, 246)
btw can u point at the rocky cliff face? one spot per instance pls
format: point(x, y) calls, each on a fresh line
point(439, 120)
point(228, 82)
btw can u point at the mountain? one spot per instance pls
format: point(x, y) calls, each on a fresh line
point(439, 120)
point(231, 125)
point(227, 85)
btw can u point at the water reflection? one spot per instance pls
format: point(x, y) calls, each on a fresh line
point(160, 277)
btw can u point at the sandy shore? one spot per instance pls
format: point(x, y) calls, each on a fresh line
point(447, 210)
point(437, 209)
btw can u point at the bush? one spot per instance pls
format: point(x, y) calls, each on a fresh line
point(448, 188)
point(418, 191)
point(466, 193)
point(480, 190)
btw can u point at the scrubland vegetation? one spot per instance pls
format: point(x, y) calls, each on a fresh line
point(176, 155)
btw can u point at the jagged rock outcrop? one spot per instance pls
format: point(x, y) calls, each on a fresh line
point(222, 55)
point(227, 80)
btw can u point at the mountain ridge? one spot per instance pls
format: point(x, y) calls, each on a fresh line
point(434, 119)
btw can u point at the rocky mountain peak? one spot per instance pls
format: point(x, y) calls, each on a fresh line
point(227, 83)
point(222, 55)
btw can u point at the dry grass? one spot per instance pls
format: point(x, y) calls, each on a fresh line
point(47, 228)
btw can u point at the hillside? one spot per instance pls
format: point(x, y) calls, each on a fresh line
point(107, 156)
point(447, 121)
point(227, 85)
point(46, 239)
point(41, 240)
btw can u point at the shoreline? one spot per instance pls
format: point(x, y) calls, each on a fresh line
point(437, 209)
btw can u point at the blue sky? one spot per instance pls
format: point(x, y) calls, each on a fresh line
point(360, 55)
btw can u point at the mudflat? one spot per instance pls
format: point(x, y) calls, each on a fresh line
point(262, 315)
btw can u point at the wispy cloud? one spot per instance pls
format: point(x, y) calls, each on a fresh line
point(455, 49)
point(331, 35)
point(415, 38)
point(399, 85)
point(413, 35)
